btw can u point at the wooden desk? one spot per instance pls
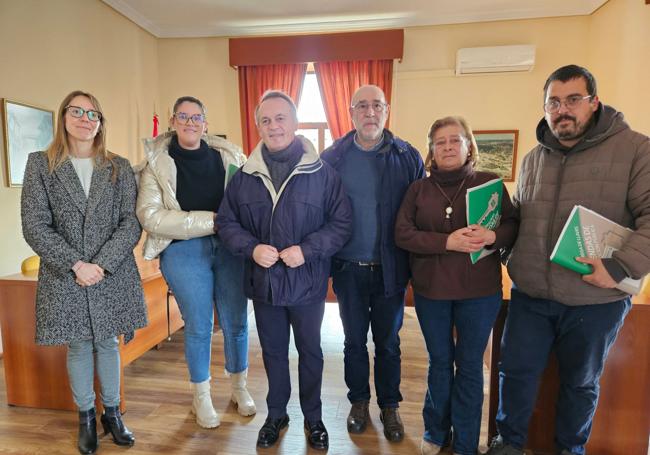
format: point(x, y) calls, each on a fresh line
point(622, 420)
point(36, 375)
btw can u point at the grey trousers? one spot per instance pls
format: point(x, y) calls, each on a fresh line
point(81, 362)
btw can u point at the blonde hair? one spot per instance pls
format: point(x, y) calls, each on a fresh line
point(59, 149)
point(472, 152)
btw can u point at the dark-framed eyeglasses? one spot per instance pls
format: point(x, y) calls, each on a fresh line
point(571, 102)
point(362, 106)
point(197, 119)
point(78, 112)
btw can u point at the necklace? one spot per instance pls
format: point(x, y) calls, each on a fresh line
point(449, 210)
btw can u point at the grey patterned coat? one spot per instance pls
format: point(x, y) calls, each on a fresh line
point(63, 226)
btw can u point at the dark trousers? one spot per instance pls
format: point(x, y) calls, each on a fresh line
point(273, 325)
point(581, 337)
point(454, 395)
point(363, 305)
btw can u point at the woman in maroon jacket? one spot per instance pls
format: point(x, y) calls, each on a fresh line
point(450, 291)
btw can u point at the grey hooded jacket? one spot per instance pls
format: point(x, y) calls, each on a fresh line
point(608, 172)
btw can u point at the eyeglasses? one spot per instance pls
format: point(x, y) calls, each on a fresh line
point(363, 106)
point(197, 119)
point(571, 102)
point(454, 141)
point(78, 112)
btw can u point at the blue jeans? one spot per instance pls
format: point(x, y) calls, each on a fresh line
point(81, 371)
point(273, 328)
point(201, 272)
point(362, 304)
point(455, 399)
point(581, 337)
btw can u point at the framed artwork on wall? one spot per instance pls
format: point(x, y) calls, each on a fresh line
point(497, 152)
point(26, 129)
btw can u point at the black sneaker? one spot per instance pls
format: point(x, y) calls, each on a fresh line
point(393, 426)
point(270, 431)
point(358, 417)
point(317, 435)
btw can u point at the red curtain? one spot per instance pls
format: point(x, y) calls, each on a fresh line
point(254, 80)
point(338, 80)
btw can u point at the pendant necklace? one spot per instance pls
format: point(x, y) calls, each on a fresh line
point(449, 210)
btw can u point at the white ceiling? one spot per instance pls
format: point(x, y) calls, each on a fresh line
point(202, 18)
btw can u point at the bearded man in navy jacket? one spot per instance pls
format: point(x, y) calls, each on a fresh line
point(370, 273)
point(286, 212)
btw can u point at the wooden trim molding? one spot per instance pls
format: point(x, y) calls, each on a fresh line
point(371, 45)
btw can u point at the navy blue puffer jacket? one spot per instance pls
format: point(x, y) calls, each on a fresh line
point(310, 210)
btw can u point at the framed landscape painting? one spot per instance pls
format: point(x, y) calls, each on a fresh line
point(27, 129)
point(497, 152)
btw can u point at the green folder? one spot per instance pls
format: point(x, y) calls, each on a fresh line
point(232, 169)
point(589, 234)
point(484, 209)
point(571, 244)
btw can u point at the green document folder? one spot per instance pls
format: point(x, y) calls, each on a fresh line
point(232, 168)
point(484, 209)
point(589, 234)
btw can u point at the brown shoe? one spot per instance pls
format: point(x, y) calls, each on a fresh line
point(393, 426)
point(358, 417)
point(499, 447)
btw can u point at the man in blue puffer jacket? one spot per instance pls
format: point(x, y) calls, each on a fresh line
point(286, 212)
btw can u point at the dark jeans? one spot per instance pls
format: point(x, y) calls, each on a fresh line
point(362, 304)
point(581, 337)
point(455, 398)
point(273, 326)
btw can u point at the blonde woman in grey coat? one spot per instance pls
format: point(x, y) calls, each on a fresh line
point(78, 215)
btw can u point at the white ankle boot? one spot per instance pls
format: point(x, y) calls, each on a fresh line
point(240, 395)
point(429, 448)
point(202, 407)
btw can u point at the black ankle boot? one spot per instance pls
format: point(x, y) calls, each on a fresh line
point(87, 443)
point(112, 423)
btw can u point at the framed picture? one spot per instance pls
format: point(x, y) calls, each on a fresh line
point(26, 129)
point(497, 152)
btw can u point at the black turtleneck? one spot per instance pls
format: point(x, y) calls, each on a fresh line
point(200, 176)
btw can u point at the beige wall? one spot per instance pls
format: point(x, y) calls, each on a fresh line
point(49, 48)
point(425, 87)
point(199, 67)
point(619, 56)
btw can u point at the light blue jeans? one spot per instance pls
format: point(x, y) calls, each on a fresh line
point(81, 372)
point(204, 275)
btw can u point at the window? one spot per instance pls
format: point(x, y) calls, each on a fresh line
point(311, 114)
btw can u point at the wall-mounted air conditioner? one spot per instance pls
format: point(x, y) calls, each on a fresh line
point(497, 59)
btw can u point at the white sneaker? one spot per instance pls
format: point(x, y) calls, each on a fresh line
point(202, 407)
point(240, 396)
point(429, 448)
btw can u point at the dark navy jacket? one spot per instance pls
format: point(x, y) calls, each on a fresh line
point(399, 166)
point(310, 210)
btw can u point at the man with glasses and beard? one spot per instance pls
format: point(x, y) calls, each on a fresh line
point(587, 155)
point(370, 273)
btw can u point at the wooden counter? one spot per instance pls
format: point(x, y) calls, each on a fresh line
point(36, 375)
point(622, 420)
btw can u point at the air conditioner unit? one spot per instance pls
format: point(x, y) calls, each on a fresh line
point(497, 59)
